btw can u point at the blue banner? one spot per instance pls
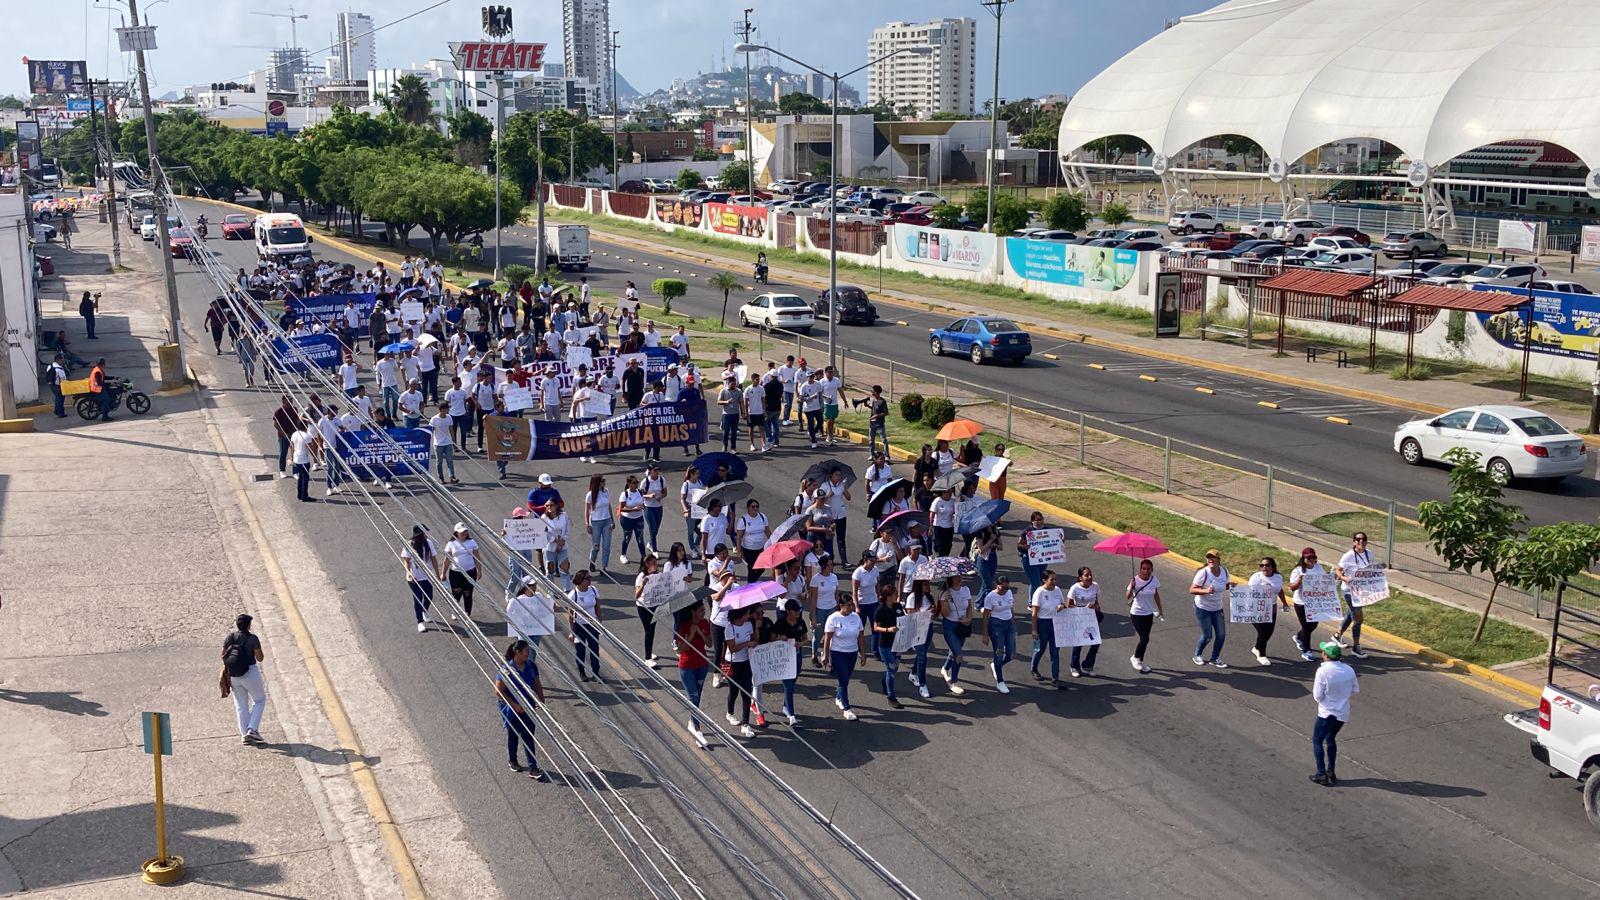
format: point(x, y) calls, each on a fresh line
point(307, 352)
point(1074, 265)
point(330, 309)
point(1563, 324)
point(656, 361)
point(677, 424)
point(370, 455)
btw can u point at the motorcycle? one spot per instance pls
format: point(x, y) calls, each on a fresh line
point(200, 230)
point(761, 272)
point(138, 402)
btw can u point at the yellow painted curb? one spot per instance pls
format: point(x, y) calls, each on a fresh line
point(16, 426)
point(1148, 378)
point(35, 407)
point(1267, 403)
point(1204, 390)
point(1100, 366)
point(1337, 420)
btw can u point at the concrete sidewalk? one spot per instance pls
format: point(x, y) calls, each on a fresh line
point(123, 562)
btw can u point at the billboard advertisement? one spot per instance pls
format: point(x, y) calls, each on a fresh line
point(56, 76)
point(497, 56)
point(745, 221)
point(678, 212)
point(969, 251)
point(1562, 324)
point(1589, 245)
point(1169, 305)
point(1101, 268)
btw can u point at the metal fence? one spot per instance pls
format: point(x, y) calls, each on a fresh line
point(1470, 232)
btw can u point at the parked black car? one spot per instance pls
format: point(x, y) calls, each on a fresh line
point(853, 307)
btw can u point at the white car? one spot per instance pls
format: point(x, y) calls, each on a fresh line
point(1333, 242)
point(1506, 274)
point(1185, 222)
point(1562, 287)
point(149, 230)
point(926, 198)
point(1261, 228)
point(1297, 231)
point(891, 194)
point(1511, 442)
point(1355, 261)
point(863, 214)
point(784, 186)
point(770, 311)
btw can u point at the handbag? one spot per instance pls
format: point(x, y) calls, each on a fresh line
point(963, 630)
point(726, 669)
point(224, 683)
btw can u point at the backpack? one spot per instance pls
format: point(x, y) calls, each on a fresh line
point(236, 655)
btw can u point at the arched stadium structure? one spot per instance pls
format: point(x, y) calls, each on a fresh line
point(1434, 78)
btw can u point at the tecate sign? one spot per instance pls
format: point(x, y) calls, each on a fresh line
point(483, 56)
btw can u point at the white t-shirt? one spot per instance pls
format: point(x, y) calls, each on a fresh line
point(463, 554)
point(418, 568)
point(456, 400)
point(411, 403)
point(300, 441)
point(440, 425)
point(755, 401)
point(1219, 589)
point(878, 476)
point(690, 492)
point(946, 460)
point(865, 583)
point(943, 512)
point(1047, 600)
point(388, 372)
point(633, 498)
point(827, 588)
point(830, 391)
point(654, 489)
point(810, 396)
point(845, 631)
point(1084, 596)
point(348, 376)
point(960, 600)
point(1275, 580)
point(886, 552)
point(736, 633)
point(1352, 562)
point(585, 599)
point(998, 605)
point(755, 531)
point(1144, 596)
point(907, 564)
point(600, 507)
point(836, 502)
point(715, 529)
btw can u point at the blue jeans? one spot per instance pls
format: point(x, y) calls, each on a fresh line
point(445, 456)
point(1350, 610)
point(586, 642)
point(105, 404)
point(1212, 621)
point(413, 421)
point(330, 462)
point(952, 663)
point(730, 433)
point(652, 522)
point(553, 560)
point(988, 567)
point(61, 405)
point(919, 661)
point(818, 620)
point(517, 571)
point(878, 430)
point(461, 428)
point(391, 400)
point(600, 543)
point(788, 405)
point(891, 664)
point(1094, 649)
point(694, 682)
point(844, 668)
point(789, 683)
point(869, 611)
point(1044, 641)
point(632, 529)
point(1003, 636)
point(693, 530)
point(430, 384)
point(1324, 738)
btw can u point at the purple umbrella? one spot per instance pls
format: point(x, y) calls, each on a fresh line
point(753, 594)
point(909, 522)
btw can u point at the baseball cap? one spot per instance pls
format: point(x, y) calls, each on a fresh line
point(460, 526)
point(520, 512)
point(1330, 649)
point(528, 580)
point(1213, 552)
point(545, 479)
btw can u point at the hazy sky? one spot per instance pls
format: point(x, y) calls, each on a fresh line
point(1050, 46)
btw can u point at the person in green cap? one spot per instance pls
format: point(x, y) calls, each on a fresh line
point(1334, 684)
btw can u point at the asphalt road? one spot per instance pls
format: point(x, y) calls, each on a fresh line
point(1355, 461)
point(1186, 782)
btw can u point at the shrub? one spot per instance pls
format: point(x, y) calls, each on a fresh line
point(669, 289)
point(1066, 211)
point(946, 215)
point(1419, 372)
point(911, 407)
point(516, 274)
point(1115, 214)
point(937, 411)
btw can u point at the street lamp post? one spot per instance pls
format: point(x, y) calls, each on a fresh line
point(499, 138)
point(616, 132)
point(833, 170)
point(997, 8)
point(174, 316)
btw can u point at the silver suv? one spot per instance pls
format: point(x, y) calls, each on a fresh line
point(1412, 244)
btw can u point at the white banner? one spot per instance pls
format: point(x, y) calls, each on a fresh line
point(567, 376)
point(579, 356)
point(411, 311)
point(531, 615)
point(662, 589)
point(1321, 599)
point(776, 661)
point(1518, 235)
point(1047, 546)
point(912, 631)
point(1589, 244)
point(518, 398)
point(1251, 603)
point(1076, 626)
point(526, 534)
point(1368, 586)
point(992, 467)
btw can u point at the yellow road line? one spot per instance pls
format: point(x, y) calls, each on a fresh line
point(1337, 420)
point(1100, 366)
point(1268, 404)
point(1148, 378)
point(1203, 390)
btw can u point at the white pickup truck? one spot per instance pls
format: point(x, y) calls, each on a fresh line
point(1564, 731)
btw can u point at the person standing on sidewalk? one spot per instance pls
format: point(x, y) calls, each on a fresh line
point(1308, 566)
point(518, 720)
point(87, 307)
point(1355, 559)
point(1210, 591)
point(241, 664)
point(58, 375)
point(1334, 684)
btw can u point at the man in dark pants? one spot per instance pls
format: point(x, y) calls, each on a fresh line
point(98, 385)
point(633, 384)
point(1331, 689)
point(58, 374)
point(285, 421)
point(87, 307)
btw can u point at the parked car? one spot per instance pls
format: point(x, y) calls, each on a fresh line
point(1421, 268)
point(1354, 261)
point(783, 186)
point(1052, 234)
point(1261, 228)
point(1141, 234)
point(1397, 244)
point(634, 186)
point(1511, 442)
point(854, 306)
point(981, 338)
point(1329, 242)
point(1561, 287)
point(1186, 222)
point(865, 214)
point(794, 207)
point(1225, 240)
point(1346, 231)
point(769, 311)
point(1140, 246)
point(1506, 274)
point(913, 218)
point(1297, 231)
point(1258, 249)
point(1450, 273)
point(237, 227)
point(891, 194)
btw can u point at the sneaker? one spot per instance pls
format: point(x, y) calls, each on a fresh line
point(651, 662)
point(1299, 644)
point(1199, 660)
point(732, 719)
point(895, 702)
point(282, 475)
point(957, 689)
point(244, 739)
point(1339, 639)
point(839, 703)
point(747, 731)
point(1321, 779)
point(922, 690)
point(1333, 780)
point(851, 715)
point(623, 558)
point(813, 445)
point(421, 627)
point(514, 767)
point(1002, 687)
point(946, 674)
point(761, 719)
point(535, 773)
point(1219, 664)
point(1036, 675)
point(1135, 663)
point(1076, 673)
point(1056, 683)
point(1357, 652)
point(694, 732)
point(1143, 669)
point(716, 681)
point(793, 720)
point(1263, 659)
point(1308, 656)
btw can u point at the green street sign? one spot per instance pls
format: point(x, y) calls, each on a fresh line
point(157, 723)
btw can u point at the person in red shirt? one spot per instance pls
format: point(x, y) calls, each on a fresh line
point(285, 421)
point(691, 636)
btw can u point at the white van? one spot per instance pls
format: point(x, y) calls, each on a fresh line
point(281, 234)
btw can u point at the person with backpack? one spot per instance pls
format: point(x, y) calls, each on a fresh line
point(241, 678)
point(58, 376)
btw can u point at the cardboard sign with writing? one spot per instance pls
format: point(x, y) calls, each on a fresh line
point(661, 589)
point(527, 534)
point(411, 311)
point(1047, 546)
point(1321, 599)
point(518, 398)
point(773, 662)
point(531, 615)
point(911, 631)
point(1368, 586)
point(1251, 603)
point(1076, 626)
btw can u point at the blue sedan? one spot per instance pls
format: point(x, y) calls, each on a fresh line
point(982, 337)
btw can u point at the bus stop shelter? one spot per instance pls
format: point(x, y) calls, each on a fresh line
point(1440, 298)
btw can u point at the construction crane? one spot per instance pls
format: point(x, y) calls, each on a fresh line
point(291, 15)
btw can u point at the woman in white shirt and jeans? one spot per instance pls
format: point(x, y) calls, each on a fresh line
point(752, 531)
point(1210, 591)
point(631, 509)
point(841, 640)
point(1085, 592)
point(955, 611)
point(597, 522)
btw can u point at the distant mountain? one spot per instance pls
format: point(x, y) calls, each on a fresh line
point(170, 96)
point(625, 91)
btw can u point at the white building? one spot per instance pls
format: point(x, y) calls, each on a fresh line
point(355, 51)
point(552, 88)
point(17, 293)
point(586, 35)
point(941, 81)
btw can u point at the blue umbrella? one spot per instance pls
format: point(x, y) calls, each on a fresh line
point(707, 464)
point(981, 515)
point(398, 347)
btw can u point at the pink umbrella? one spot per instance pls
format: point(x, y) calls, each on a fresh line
point(753, 594)
point(1133, 545)
point(782, 552)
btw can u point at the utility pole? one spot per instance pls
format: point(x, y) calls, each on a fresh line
point(539, 250)
point(111, 174)
point(997, 8)
point(749, 112)
point(616, 131)
point(499, 138)
point(8, 396)
point(159, 185)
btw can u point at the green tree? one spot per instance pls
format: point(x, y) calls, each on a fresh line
point(821, 168)
point(946, 117)
point(668, 289)
point(702, 154)
point(978, 205)
point(727, 284)
point(689, 180)
point(1115, 214)
point(735, 177)
point(471, 133)
point(1067, 211)
point(1038, 140)
point(11, 102)
point(1119, 145)
point(1009, 215)
point(801, 103)
point(946, 215)
point(408, 99)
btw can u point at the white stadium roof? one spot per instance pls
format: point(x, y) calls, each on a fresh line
point(1435, 78)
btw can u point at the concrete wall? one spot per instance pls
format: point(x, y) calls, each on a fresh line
point(16, 287)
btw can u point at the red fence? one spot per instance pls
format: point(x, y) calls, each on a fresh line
point(854, 237)
point(570, 196)
point(635, 205)
point(786, 230)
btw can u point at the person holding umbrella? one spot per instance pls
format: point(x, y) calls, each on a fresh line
point(879, 475)
point(986, 554)
point(955, 613)
point(689, 502)
point(837, 489)
point(1085, 593)
point(819, 520)
point(1144, 607)
point(998, 630)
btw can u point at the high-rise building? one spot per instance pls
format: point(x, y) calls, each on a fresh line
point(586, 34)
point(355, 51)
point(286, 66)
point(940, 81)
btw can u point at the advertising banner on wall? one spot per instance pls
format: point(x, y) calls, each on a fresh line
point(1563, 324)
point(1169, 310)
point(678, 212)
point(1101, 268)
point(745, 221)
point(969, 251)
point(1589, 244)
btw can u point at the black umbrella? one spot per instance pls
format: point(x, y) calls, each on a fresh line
point(480, 284)
point(953, 479)
point(789, 529)
point(883, 495)
point(729, 492)
point(823, 471)
point(707, 464)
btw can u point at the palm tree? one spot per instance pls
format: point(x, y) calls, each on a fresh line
point(408, 99)
point(727, 284)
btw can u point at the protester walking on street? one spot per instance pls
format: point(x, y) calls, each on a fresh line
point(690, 637)
point(739, 637)
point(1332, 689)
point(597, 522)
point(791, 626)
point(300, 442)
point(654, 488)
point(285, 422)
point(955, 615)
point(751, 530)
point(420, 561)
point(841, 643)
point(999, 632)
point(459, 563)
point(1144, 607)
point(1210, 591)
point(1046, 601)
point(1267, 574)
point(444, 451)
point(630, 510)
point(885, 624)
point(519, 676)
point(584, 627)
point(648, 567)
point(920, 599)
point(1085, 593)
point(1355, 559)
point(1308, 565)
point(241, 678)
